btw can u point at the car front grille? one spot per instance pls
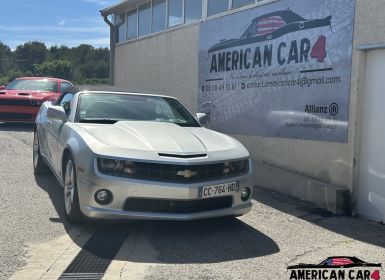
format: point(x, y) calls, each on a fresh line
point(175, 173)
point(15, 116)
point(176, 206)
point(19, 102)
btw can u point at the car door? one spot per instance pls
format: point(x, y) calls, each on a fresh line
point(54, 128)
point(42, 123)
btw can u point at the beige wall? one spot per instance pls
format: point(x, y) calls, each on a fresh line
point(310, 170)
point(370, 22)
point(163, 64)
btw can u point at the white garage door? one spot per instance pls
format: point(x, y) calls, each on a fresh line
point(372, 164)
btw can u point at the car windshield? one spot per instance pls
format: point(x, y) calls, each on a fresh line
point(113, 107)
point(35, 85)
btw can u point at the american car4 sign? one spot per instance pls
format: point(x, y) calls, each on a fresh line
point(279, 70)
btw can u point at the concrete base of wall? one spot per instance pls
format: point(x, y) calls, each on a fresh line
point(332, 198)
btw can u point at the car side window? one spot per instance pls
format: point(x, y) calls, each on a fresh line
point(270, 24)
point(264, 26)
point(65, 102)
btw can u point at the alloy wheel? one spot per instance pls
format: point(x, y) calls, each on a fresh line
point(69, 187)
point(35, 150)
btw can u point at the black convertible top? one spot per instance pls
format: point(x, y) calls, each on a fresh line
point(73, 89)
point(287, 15)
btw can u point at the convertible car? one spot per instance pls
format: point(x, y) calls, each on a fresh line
point(138, 156)
point(271, 26)
point(20, 99)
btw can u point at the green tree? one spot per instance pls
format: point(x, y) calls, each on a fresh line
point(56, 68)
point(10, 76)
point(59, 53)
point(82, 54)
point(6, 59)
point(30, 53)
point(91, 64)
point(81, 64)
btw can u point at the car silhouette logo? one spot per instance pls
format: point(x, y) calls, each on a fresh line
point(271, 26)
point(336, 262)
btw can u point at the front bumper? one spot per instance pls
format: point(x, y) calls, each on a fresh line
point(115, 214)
point(123, 189)
point(18, 113)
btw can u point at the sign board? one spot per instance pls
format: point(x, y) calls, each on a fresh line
point(279, 70)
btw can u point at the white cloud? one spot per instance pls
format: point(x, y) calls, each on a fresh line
point(70, 32)
point(67, 29)
point(96, 42)
point(87, 20)
point(99, 2)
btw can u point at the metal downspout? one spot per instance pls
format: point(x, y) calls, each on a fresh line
point(112, 49)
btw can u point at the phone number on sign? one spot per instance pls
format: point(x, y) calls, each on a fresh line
point(219, 87)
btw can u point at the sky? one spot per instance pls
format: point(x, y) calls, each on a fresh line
point(54, 22)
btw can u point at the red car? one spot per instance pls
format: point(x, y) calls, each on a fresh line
point(20, 100)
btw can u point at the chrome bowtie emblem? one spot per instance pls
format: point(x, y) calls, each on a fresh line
point(187, 173)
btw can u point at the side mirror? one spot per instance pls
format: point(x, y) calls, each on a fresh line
point(2, 87)
point(58, 113)
point(201, 117)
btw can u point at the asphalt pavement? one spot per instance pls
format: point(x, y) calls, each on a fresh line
point(37, 243)
point(27, 213)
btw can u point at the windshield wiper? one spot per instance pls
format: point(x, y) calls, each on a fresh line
point(97, 120)
point(188, 125)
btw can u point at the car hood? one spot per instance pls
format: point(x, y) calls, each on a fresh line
point(26, 93)
point(160, 137)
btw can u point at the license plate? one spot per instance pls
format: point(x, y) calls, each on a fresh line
point(218, 190)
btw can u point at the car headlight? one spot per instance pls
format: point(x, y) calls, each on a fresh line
point(239, 166)
point(116, 167)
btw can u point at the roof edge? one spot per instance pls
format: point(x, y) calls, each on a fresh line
point(122, 5)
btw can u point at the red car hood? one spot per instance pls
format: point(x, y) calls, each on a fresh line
point(28, 94)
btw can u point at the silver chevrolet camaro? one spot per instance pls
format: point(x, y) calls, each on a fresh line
point(139, 156)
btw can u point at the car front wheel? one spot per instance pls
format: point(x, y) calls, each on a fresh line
point(39, 166)
point(71, 198)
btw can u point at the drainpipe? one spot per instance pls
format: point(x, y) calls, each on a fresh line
point(112, 49)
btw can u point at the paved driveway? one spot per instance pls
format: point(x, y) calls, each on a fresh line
point(37, 243)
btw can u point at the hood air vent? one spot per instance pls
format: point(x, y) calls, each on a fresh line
point(24, 94)
point(182, 156)
point(2, 92)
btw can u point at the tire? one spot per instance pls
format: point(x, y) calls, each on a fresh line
point(71, 197)
point(39, 166)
